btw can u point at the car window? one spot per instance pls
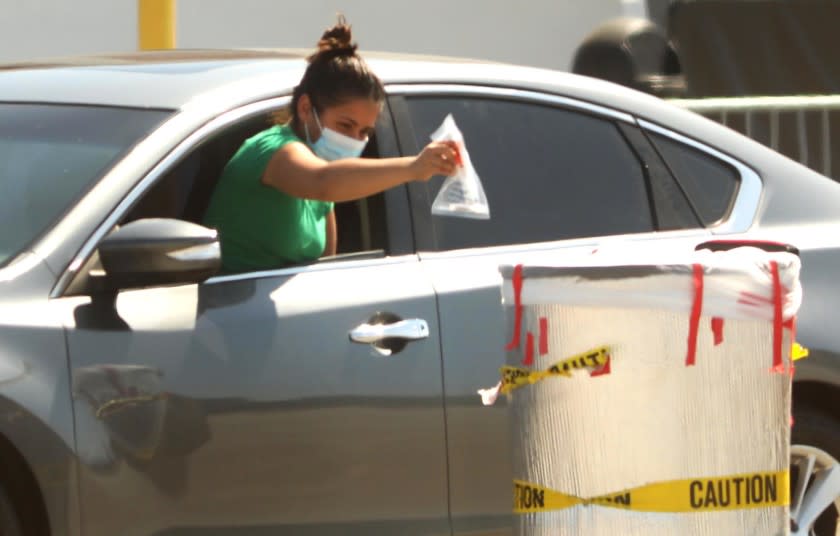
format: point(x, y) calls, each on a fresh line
point(184, 191)
point(549, 173)
point(51, 154)
point(710, 184)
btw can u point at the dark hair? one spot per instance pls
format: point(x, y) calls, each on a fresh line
point(336, 73)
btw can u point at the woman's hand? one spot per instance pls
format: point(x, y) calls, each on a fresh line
point(437, 158)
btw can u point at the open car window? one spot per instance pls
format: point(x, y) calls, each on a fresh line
point(184, 192)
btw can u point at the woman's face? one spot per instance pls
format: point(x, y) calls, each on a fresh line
point(355, 118)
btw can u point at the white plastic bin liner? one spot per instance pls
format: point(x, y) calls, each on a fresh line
point(694, 449)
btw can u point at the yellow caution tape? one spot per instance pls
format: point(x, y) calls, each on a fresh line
point(734, 492)
point(798, 352)
point(514, 377)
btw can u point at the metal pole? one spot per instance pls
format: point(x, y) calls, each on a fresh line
point(156, 24)
point(803, 137)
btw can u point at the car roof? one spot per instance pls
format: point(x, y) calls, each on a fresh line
point(175, 79)
point(218, 80)
point(171, 79)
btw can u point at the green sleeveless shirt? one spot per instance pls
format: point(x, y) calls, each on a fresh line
point(260, 227)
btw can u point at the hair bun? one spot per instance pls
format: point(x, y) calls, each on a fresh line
point(336, 42)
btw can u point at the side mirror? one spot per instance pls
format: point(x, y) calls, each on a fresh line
point(152, 252)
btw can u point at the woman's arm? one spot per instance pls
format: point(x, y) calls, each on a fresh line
point(294, 170)
point(332, 235)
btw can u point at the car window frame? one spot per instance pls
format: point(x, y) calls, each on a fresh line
point(747, 196)
point(399, 233)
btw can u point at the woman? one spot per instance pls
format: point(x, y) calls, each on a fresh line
point(273, 205)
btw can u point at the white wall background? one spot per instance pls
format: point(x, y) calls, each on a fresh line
point(534, 32)
point(45, 28)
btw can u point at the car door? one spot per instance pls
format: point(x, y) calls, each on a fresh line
point(264, 403)
point(562, 178)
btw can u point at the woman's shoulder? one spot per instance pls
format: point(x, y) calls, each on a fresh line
point(277, 135)
point(264, 143)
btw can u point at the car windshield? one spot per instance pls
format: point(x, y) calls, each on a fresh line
point(52, 154)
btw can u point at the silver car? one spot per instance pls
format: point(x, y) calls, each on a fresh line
point(143, 392)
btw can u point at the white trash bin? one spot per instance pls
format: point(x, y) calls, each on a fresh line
point(667, 410)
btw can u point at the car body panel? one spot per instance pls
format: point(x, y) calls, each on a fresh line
point(36, 411)
point(242, 405)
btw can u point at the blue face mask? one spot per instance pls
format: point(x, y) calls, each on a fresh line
point(333, 145)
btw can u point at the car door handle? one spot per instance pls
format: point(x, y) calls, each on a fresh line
point(408, 330)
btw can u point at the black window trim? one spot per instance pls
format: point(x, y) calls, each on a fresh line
point(646, 172)
point(659, 174)
point(418, 201)
point(399, 229)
